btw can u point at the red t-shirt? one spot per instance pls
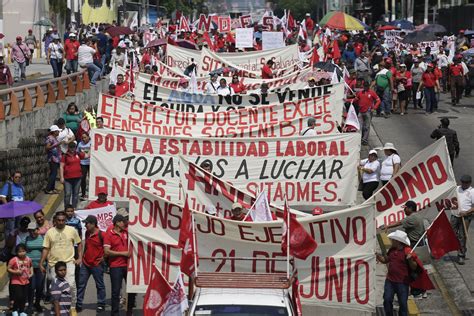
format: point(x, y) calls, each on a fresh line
point(24, 266)
point(407, 82)
point(429, 79)
point(267, 72)
point(116, 242)
point(456, 70)
point(397, 266)
point(71, 48)
point(438, 73)
point(237, 87)
point(121, 89)
point(72, 165)
point(94, 249)
point(367, 100)
point(97, 204)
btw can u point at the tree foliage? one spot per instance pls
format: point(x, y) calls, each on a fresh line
point(58, 7)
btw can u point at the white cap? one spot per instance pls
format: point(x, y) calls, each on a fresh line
point(400, 236)
point(236, 205)
point(307, 14)
point(54, 128)
point(403, 65)
point(210, 209)
point(72, 34)
point(373, 152)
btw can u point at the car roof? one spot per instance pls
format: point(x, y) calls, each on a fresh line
point(232, 296)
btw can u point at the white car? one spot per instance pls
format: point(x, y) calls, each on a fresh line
point(241, 301)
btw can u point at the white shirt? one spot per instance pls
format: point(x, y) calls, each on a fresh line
point(465, 200)
point(66, 134)
point(308, 131)
point(465, 70)
point(211, 87)
point(386, 171)
point(225, 91)
point(374, 166)
point(84, 55)
point(56, 51)
point(442, 60)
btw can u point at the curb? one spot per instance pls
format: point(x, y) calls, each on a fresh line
point(49, 207)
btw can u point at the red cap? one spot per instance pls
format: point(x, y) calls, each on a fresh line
point(18, 38)
point(102, 191)
point(30, 30)
point(317, 211)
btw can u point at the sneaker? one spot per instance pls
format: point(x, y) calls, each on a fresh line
point(461, 260)
point(402, 113)
point(425, 295)
point(100, 309)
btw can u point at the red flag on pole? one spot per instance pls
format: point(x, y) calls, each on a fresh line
point(290, 21)
point(156, 294)
point(186, 241)
point(441, 236)
point(301, 243)
point(336, 53)
point(314, 56)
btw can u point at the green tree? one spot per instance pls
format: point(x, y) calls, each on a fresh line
point(58, 7)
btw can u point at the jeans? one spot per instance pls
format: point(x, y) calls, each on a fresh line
point(85, 172)
point(364, 121)
point(117, 275)
point(386, 105)
point(71, 191)
point(71, 66)
point(390, 289)
point(57, 67)
point(19, 70)
point(92, 68)
point(457, 86)
point(458, 228)
point(53, 173)
point(431, 102)
point(35, 293)
point(102, 61)
point(98, 275)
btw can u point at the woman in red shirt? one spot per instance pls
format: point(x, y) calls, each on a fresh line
point(430, 83)
point(404, 83)
point(237, 85)
point(70, 174)
point(267, 72)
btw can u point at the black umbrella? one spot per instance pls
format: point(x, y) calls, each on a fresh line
point(419, 36)
point(434, 28)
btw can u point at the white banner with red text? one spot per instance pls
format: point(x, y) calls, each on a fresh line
point(104, 216)
point(278, 120)
point(310, 171)
point(424, 179)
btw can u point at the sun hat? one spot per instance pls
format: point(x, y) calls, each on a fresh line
point(400, 236)
point(388, 146)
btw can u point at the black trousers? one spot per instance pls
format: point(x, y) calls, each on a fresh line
point(19, 294)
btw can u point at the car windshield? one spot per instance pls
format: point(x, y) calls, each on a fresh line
point(241, 310)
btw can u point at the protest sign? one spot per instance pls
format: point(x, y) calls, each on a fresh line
point(424, 179)
point(279, 120)
point(104, 216)
point(272, 40)
point(339, 274)
point(310, 171)
point(205, 189)
point(243, 37)
point(169, 78)
point(148, 37)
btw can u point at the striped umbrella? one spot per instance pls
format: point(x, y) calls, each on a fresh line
point(340, 20)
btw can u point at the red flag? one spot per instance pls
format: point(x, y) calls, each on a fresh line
point(207, 39)
point(186, 241)
point(290, 21)
point(315, 56)
point(441, 237)
point(336, 53)
point(423, 280)
point(301, 243)
point(156, 294)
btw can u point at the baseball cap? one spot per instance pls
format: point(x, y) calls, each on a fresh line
point(403, 65)
point(466, 178)
point(373, 152)
point(236, 205)
point(118, 218)
point(122, 211)
point(210, 209)
point(102, 191)
point(90, 219)
point(54, 128)
point(72, 34)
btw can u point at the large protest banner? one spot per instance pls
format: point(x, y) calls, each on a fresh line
point(340, 273)
point(302, 99)
point(169, 78)
point(279, 120)
point(426, 179)
point(205, 189)
point(249, 64)
point(310, 171)
point(179, 58)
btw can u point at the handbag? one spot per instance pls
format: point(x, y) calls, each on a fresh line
point(27, 60)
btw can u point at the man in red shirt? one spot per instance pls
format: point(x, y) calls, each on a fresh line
point(121, 87)
point(368, 101)
point(92, 260)
point(237, 214)
point(116, 249)
point(70, 174)
point(100, 202)
point(267, 72)
point(71, 47)
point(430, 83)
point(456, 74)
point(309, 23)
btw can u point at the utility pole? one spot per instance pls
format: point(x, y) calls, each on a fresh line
point(425, 19)
point(1, 27)
point(386, 11)
point(403, 8)
point(394, 10)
